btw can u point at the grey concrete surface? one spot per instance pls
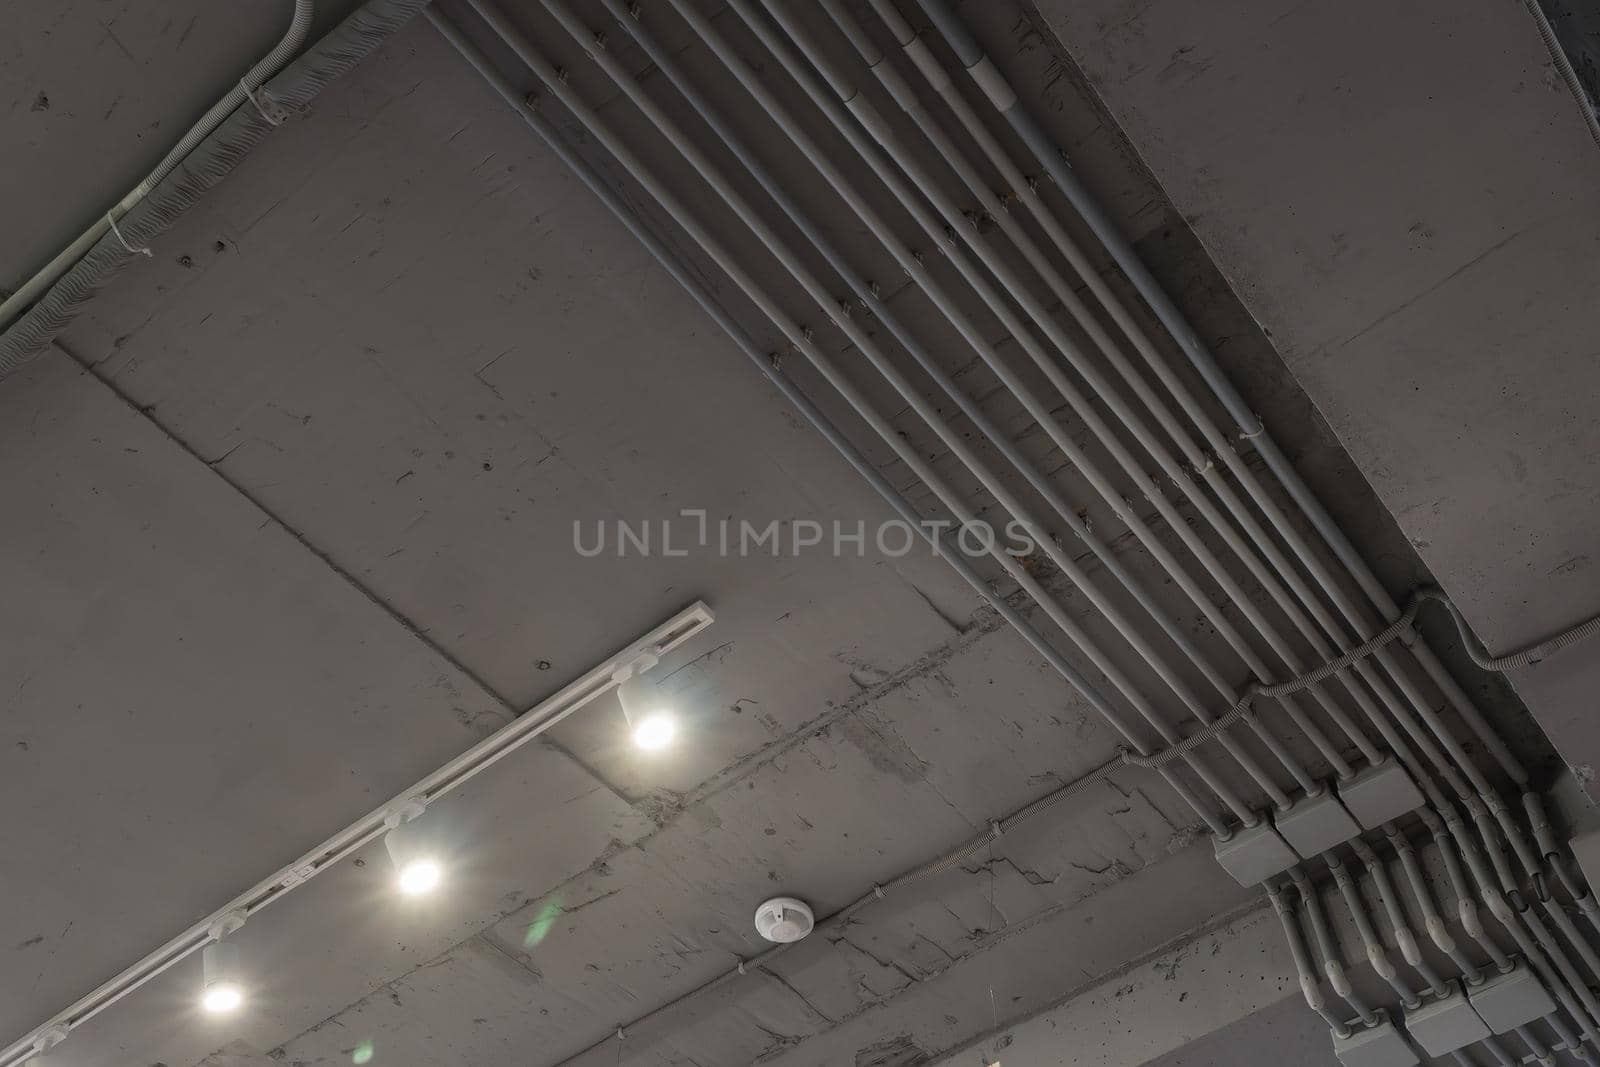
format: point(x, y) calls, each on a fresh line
point(1418, 238)
point(289, 522)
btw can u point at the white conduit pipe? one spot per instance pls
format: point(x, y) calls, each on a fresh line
point(1302, 962)
point(826, 102)
point(916, 269)
point(1432, 921)
point(1442, 939)
point(1007, 102)
point(930, 130)
point(1027, 191)
point(1418, 701)
point(1489, 798)
point(1539, 948)
point(1537, 1048)
point(892, 82)
point(1053, 159)
point(956, 222)
point(1479, 806)
point(1377, 955)
point(532, 723)
point(1466, 901)
point(802, 340)
point(1404, 939)
point(953, 440)
point(1328, 945)
point(669, 261)
point(913, 266)
point(268, 65)
point(1554, 855)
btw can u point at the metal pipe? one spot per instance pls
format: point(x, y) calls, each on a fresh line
point(1377, 955)
point(1328, 945)
point(828, 303)
point(1419, 705)
point(1466, 903)
point(1053, 159)
point(1404, 939)
point(1540, 949)
point(1418, 702)
point(869, 298)
point(265, 67)
point(1540, 1051)
point(1027, 191)
point(957, 222)
point(802, 341)
point(1438, 931)
point(867, 116)
point(1302, 963)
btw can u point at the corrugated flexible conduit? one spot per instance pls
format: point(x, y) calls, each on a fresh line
point(192, 173)
point(241, 91)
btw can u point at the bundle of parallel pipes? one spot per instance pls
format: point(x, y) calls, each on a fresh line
point(1365, 758)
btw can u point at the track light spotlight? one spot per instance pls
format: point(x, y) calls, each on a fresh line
point(221, 990)
point(650, 722)
point(417, 867)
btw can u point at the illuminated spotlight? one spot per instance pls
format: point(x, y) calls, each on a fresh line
point(220, 991)
point(655, 731)
point(417, 869)
point(652, 725)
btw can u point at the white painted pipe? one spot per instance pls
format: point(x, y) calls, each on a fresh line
point(1419, 705)
point(741, 339)
point(868, 347)
point(1005, 100)
point(268, 65)
point(803, 341)
point(917, 270)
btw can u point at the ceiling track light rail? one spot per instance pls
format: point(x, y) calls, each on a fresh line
point(391, 817)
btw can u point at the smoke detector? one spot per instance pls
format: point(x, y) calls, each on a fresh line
point(784, 919)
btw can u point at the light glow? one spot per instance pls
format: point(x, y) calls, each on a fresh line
point(220, 998)
point(655, 731)
point(419, 877)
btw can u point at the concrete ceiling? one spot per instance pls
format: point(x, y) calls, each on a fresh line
point(289, 522)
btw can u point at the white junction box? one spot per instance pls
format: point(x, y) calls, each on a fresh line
point(1507, 1001)
point(1375, 1046)
point(1380, 793)
point(1312, 825)
point(1444, 1024)
point(1253, 855)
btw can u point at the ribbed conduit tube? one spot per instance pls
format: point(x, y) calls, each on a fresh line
point(268, 65)
point(213, 157)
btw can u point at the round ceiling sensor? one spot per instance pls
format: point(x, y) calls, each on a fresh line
point(784, 919)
